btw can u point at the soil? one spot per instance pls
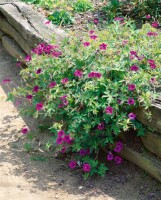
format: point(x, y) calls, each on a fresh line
point(40, 175)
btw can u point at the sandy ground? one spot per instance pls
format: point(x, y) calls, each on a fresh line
point(21, 178)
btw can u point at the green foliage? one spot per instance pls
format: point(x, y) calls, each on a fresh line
point(79, 105)
point(82, 5)
point(61, 17)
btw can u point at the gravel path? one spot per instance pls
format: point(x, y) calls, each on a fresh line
point(21, 178)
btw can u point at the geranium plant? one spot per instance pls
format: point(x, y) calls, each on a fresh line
point(90, 88)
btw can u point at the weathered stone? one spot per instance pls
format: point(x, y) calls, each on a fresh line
point(152, 142)
point(155, 121)
point(1, 34)
point(148, 163)
point(13, 48)
point(8, 29)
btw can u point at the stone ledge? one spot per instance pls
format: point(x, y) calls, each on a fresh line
point(26, 26)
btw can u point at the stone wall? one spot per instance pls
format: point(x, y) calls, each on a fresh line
point(22, 28)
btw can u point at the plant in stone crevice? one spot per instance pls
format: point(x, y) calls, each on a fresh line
point(91, 87)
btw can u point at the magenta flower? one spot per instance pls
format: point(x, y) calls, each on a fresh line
point(24, 130)
point(63, 97)
point(134, 68)
point(29, 96)
point(109, 110)
point(82, 152)
point(91, 32)
point(118, 160)
point(133, 53)
point(19, 63)
point(118, 148)
point(152, 64)
point(59, 140)
point(67, 139)
point(39, 71)
point(64, 81)
point(118, 18)
point(131, 87)
point(119, 144)
point(88, 151)
point(5, 81)
point(39, 106)
point(148, 16)
point(103, 46)
point(101, 126)
point(119, 101)
point(78, 73)
point(131, 116)
point(52, 84)
point(130, 101)
point(86, 167)
point(96, 21)
point(110, 156)
point(36, 88)
point(61, 133)
point(86, 44)
point(152, 34)
point(28, 58)
point(63, 150)
point(65, 102)
point(93, 37)
point(60, 105)
point(94, 75)
point(47, 22)
point(124, 42)
point(155, 24)
point(72, 164)
point(56, 54)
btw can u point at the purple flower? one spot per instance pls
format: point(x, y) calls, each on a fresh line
point(36, 88)
point(60, 105)
point(152, 64)
point(148, 16)
point(133, 53)
point(134, 68)
point(63, 150)
point(19, 63)
point(96, 21)
point(110, 156)
point(109, 110)
point(155, 24)
point(152, 33)
point(59, 140)
point(67, 139)
point(93, 37)
point(131, 116)
point(56, 54)
point(61, 133)
point(91, 32)
point(86, 44)
point(119, 144)
point(52, 84)
point(82, 152)
point(118, 18)
point(29, 96)
point(28, 58)
point(101, 126)
point(39, 106)
point(63, 97)
point(64, 81)
point(103, 46)
point(94, 75)
point(118, 149)
point(65, 102)
point(119, 101)
point(130, 101)
point(78, 73)
point(131, 87)
point(86, 167)
point(5, 81)
point(72, 164)
point(39, 71)
point(24, 130)
point(118, 160)
point(88, 151)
